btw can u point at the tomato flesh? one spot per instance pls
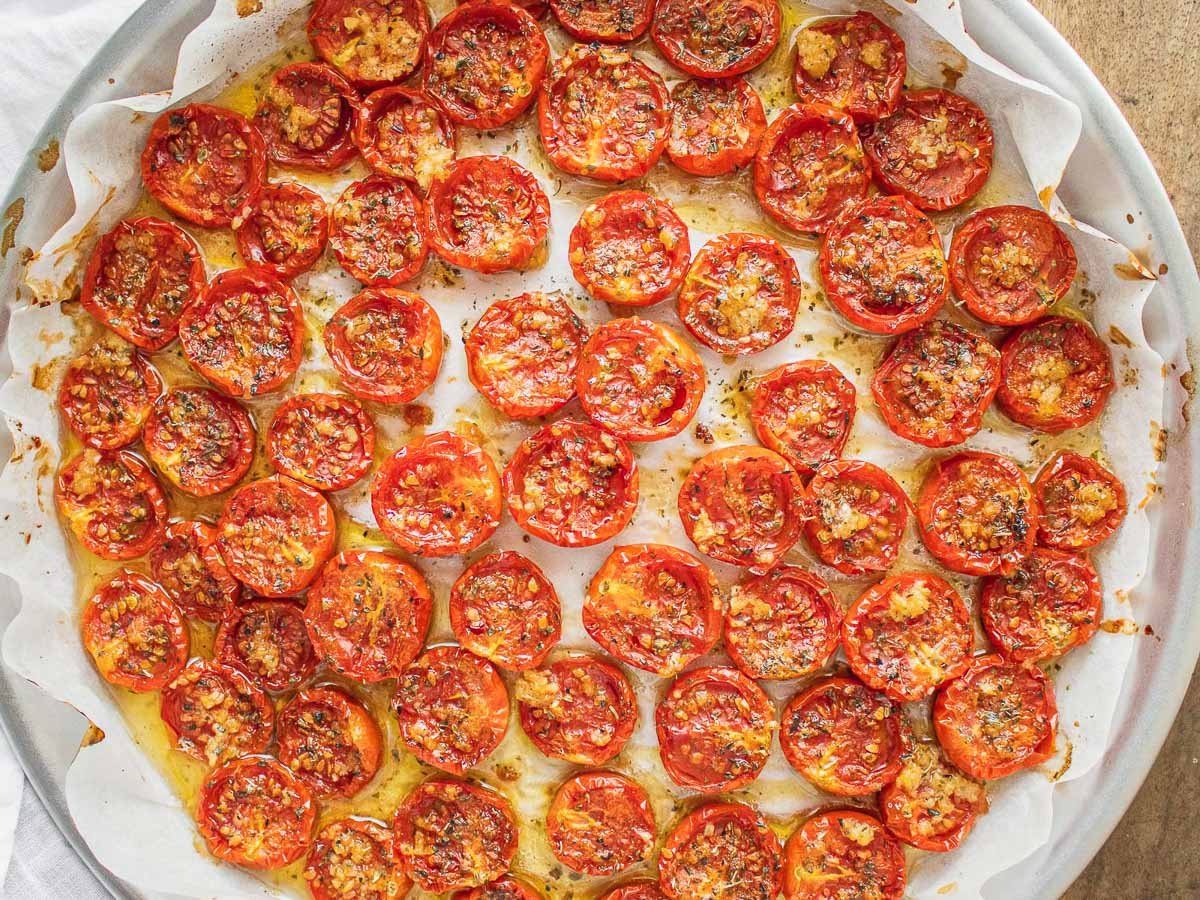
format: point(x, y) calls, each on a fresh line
point(352, 859)
point(202, 442)
point(190, 568)
point(267, 640)
point(931, 805)
point(854, 63)
point(107, 394)
point(322, 440)
point(377, 232)
point(307, 116)
point(715, 38)
point(716, 126)
point(1082, 502)
point(804, 411)
point(844, 853)
point(136, 636)
point(372, 42)
point(216, 714)
point(857, 517)
point(330, 741)
point(600, 823)
point(112, 503)
point(404, 134)
point(722, 849)
point(284, 231)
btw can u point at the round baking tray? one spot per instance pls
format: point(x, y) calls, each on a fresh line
point(1132, 206)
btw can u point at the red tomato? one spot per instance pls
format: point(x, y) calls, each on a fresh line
point(190, 568)
point(1082, 503)
point(136, 636)
point(504, 609)
point(485, 62)
point(654, 607)
point(307, 116)
point(216, 714)
point(630, 248)
point(113, 504)
point(636, 890)
point(804, 411)
point(1054, 375)
point(608, 21)
point(140, 278)
point(1010, 264)
point(857, 516)
point(330, 741)
point(204, 163)
point(323, 440)
point(936, 383)
point(367, 614)
point(107, 394)
point(275, 534)
point(716, 126)
point(907, 635)
point(600, 823)
point(578, 708)
point(740, 294)
point(522, 354)
point(536, 8)
point(978, 514)
point(202, 442)
point(451, 834)
point(487, 213)
point(504, 888)
point(571, 484)
point(267, 640)
point(285, 231)
point(843, 853)
point(721, 850)
point(842, 736)
point(931, 805)
point(352, 859)
point(935, 149)
point(404, 134)
point(254, 812)
point(712, 38)
point(785, 624)
point(373, 42)
point(245, 333)
point(853, 63)
point(377, 231)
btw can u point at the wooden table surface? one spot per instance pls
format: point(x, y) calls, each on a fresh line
point(1146, 54)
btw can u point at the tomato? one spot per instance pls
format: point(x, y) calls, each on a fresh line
point(1050, 604)
point(504, 609)
point(853, 63)
point(330, 741)
point(740, 294)
point(267, 640)
point(571, 484)
point(1054, 375)
point(578, 708)
point(842, 736)
point(487, 213)
point(485, 62)
point(978, 514)
point(322, 440)
point(275, 534)
point(285, 231)
point(931, 805)
point(188, 565)
point(1010, 264)
point(1082, 503)
point(140, 278)
point(843, 853)
point(636, 890)
point(907, 635)
point(307, 116)
point(107, 394)
point(936, 383)
point(785, 624)
point(204, 163)
point(523, 352)
point(367, 614)
point(629, 248)
point(608, 21)
point(135, 635)
point(809, 167)
point(452, 834)
point(245, 333)
point(202, 442)
point(372, 42)
point(716, 126)
point(712, 38)
point(377, 231)
point(536, 8)
point(216, 714)
point(352, 859)
point(721, 850)
point(256, 813)
point(804, 411)
point(112, 502)
point(600, 823)
point(935, 149)
point(404, 134)
point(452, 708)
point(743, 506)
point(504, 888)
point(857, 516)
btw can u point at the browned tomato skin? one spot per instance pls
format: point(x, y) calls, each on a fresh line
point(795, 388)
point(189, 567)
point(215, 713)
point(329, 739)
point(304, 92)
point(284, 232)
point(717, 842)
point(606, 21)
point(1067, 479)
point(865, 490)
point(377, 231)
point(273, 628)
point(868, 92)
point(330, 30)
point(118, 489)
point(915, 807)
point(201, 441)
point(362, 846)
point(707, 51)
point(389, 131)
point(623, 831)
point(824, 860)
point(107, 394)
point(729, 107)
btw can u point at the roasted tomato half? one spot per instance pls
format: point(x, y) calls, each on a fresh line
point(322, 440)
point(107, 394)
point(353, 859)
point(330, 741)
point(307, 115)
point(267, 640)
point(136, 636)
point(1082, 503)
point(215, 713)
point(607, 21)
point(404, 134)
point(372, 42)
point(112, 502)
point(190, 568)
point(844, 853)
point(712, 38)
point(636, 890)
point(506, 887)
point(857, 515)
point(202, 442)
point(853, 63)
point(284, 231)
point(721, 850)
point(377, 231)
point(600, 823)
point(931, 805)
point(804, 411)
point(716, 126)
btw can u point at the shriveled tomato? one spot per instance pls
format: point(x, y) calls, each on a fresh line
point(907, 635)
point(330, 741)
point(853, 63)
point(716, 126)
point(322, 440)
point(936, 383)
point(284, 231)
point(204, 163)
point(216, 714)
point(504, 609)
point(721, 850)
point(367, 614)
point(842, 736)
point(112, 502)
point(931, 805)
point(307, 115)
point(504, 888)
point(107, 394)
point(140, 278)
point(377, 231)
point(636, 890)
point(804, 411)
point(255, 812)
point(188, 565)
point(353, 859)
point(275, 534)
point(536, 8)
point(600, 823)
point(935, 149)
point(1082, 503)
point(202, 442)
point(857, 516)
point(572, 484)
point(1054, 375)
point(740, 294)
point(578, 708)
point(135, 635)
point(608, 21)
point(843, 853)
point(784, 624)
point(630, 248)
point(1010, 264)
point(267, 640)
point(523, 352)
point(404, 134)
point(452, 709)
point(372, 42)
point(245, 333)
point(712, 38)
point(487, 213)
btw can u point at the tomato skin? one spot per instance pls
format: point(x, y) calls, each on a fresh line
point(620, 832)
point(721, 844)
point(818, 394)
point(267, 641)
point(107, 393)
point(734, 37)
point(405, 134)
point(112, 502)
point(322, 440)
point(636, 890)
point(303, 93)
point(931, 805)
point(377, 232)
point(216, 714)
point(729, 107)
point(1082, 502)
point(352, 859)
point(607, 21)
point(843, 853)
point(330, 35)
point(284, 232)
point(831, 66)
point(328, 738)
point(188, 565)
point(202, 442)
point(504, 888)
point(841, 491)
